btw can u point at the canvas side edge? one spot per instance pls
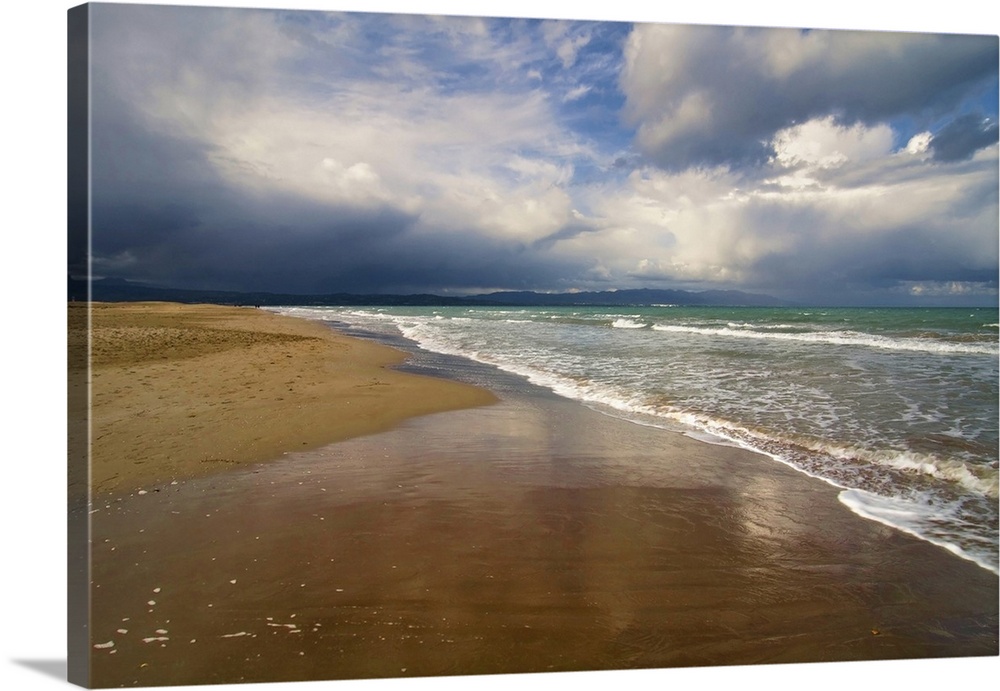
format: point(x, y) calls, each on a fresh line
point(78, 346)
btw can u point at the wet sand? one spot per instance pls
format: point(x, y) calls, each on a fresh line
point(530, 535)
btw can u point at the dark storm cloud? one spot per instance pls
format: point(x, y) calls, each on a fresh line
point(823, 269)
point(963, 136)
point(567, 232)
point(717, 95)
point(457, 263)
point(290, 247)
point(163, 214)
point(146, 183)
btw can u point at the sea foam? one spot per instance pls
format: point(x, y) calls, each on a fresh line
point(844, 338)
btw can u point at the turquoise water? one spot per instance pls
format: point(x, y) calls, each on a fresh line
point(896, 408)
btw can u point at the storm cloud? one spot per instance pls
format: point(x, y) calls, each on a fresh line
point(716, 95)
point(964, 136)
point(325, 152)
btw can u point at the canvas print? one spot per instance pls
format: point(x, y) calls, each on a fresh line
point(414, 346)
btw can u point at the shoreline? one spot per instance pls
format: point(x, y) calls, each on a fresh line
point(534, 535)
point(531, 535)
point(180, 391)
point(847, 495)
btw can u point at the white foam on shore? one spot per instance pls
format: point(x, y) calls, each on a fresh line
point(900, 514)
point(845, 338)
point(949, 470)
point(853, 470)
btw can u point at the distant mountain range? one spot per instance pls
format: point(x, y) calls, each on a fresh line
point(640, 296)
point(120, 290)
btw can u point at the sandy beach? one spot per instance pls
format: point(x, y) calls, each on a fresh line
point(273, 533)
point(180, 391)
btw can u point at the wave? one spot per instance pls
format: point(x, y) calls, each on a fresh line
point(746, 325)
point(900, 514)
point(847, 338)
point(902, 488)
point(623, 323)
point(856, 464)
point(977, 479)
point(972, 478)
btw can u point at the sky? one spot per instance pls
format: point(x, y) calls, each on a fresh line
point(319, 152)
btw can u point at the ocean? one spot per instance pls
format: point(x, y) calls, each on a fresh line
point(895, 408)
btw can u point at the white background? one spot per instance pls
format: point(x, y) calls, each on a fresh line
point(32, 265)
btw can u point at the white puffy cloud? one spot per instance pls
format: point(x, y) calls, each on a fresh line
point(824, 143)
point(919, 143)
point(837, 206)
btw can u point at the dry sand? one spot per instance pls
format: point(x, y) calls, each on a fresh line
point(526, 536)
point(184, 390)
